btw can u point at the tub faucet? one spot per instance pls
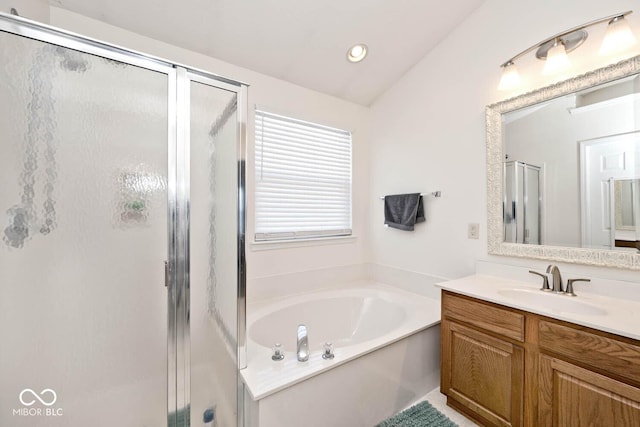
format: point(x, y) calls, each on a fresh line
point(303, 344)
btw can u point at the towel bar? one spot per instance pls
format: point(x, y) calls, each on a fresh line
point(434, 194)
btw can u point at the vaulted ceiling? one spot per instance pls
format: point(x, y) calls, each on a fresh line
point(300, 41)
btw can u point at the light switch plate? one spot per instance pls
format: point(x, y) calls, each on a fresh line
point(473, 232)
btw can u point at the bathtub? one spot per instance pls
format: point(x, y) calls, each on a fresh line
point(386, 346)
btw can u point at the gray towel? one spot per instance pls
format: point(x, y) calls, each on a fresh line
point(403, 211)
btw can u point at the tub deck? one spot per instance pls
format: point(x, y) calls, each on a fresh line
point(264, 377)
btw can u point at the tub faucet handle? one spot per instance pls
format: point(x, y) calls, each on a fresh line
point(328, 351)
point(303, 344)
point(277, 352)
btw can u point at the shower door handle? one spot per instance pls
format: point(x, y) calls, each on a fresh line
point(166, 274)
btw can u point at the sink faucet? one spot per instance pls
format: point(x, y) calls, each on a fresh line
point(557, 278)
point(303, 344)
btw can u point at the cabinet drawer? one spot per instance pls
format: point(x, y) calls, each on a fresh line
point(603, 353)
point(489, 317)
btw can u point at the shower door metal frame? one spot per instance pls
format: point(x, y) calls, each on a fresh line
point(180, 236)
point(183, 155)
point(178, 351)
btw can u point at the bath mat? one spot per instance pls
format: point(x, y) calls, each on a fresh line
point(420, 415)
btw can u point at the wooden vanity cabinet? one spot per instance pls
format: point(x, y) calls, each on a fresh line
point(505, 367)
point(587, 377)
point(482, 360)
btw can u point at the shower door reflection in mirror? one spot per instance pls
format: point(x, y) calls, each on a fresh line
point(83, 201)
point(522, 203)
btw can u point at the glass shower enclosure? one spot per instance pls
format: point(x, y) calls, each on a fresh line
point(522, 203)
point(122, 269)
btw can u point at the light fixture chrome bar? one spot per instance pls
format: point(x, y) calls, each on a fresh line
point(564, 33)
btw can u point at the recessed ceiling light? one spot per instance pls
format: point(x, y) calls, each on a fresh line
point(357, 53)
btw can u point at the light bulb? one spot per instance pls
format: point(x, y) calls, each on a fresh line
point(510, 77)
point(618, 38)
point(557, 59)
point(357, 53)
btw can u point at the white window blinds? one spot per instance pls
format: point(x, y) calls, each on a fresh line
point(302, 180)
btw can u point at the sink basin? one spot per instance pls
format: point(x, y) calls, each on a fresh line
point(551, 301)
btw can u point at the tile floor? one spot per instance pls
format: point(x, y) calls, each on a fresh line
point(439, 401)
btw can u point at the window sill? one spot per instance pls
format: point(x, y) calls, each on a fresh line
point(301, 243)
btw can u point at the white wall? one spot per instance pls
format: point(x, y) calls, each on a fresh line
point(37, 10)
point(280, 97)
point(429, 129)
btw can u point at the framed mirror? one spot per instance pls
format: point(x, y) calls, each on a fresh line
point(563, 170)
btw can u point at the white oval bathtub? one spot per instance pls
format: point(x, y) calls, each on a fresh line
point(348, 319)
point(357, 320)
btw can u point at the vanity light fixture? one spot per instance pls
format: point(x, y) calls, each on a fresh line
point(357, 53)
point(618, 38)
point(556, 58)
point(554, 50)
point(510, 76)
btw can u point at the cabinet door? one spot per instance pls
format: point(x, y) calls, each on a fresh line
point(573, 396)
point(482, 375)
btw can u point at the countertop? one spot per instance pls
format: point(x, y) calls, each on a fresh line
point(621, 317)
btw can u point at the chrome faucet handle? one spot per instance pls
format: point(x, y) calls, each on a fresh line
point(328, 351)
point(302, 350)
point(570, 283)
point(545, 280)
point(277, 352)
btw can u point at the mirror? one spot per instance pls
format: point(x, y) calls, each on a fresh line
point(627, 213)
point(563, 170)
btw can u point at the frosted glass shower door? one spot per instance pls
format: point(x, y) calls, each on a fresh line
point(214, 275)
point(83, 203)
point(521, 205)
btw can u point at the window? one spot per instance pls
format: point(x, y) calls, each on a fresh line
point(302, 180)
